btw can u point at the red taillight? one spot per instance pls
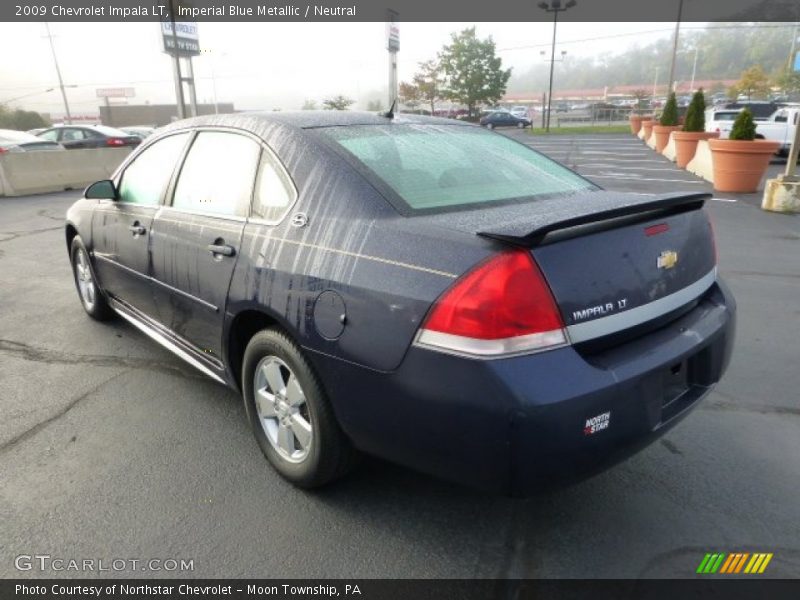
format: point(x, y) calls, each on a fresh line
point(502, 306)
point(3, 149)
point(115, 142)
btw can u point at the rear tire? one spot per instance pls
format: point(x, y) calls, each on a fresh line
point(520, 125)
point(92, 297)
point(290, 414)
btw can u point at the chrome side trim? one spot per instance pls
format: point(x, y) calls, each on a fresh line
point(166, 343)
point(590, 330)
point(161, 283)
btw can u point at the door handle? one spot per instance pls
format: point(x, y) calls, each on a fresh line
point(221, 250)
point(137, 229)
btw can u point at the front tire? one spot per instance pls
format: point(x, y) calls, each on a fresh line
point(520, 125)
point(490, 126)
point(291, 417)
point(92, 297)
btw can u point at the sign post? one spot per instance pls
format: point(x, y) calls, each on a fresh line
point(393, 46)
point(181, 40)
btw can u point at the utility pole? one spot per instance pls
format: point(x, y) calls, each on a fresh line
point(675, 48)
point(694, 67)
point(58, 73)
point(555, 8)
point(655, 84)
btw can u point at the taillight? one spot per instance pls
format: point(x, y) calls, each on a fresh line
point(3, 149)
point(115, 142)
point(503, 306)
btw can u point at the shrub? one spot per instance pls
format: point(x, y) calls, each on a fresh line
point(696, 113)
point(744, 128)
point(670, 114)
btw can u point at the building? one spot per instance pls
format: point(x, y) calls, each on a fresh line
point(157, 115)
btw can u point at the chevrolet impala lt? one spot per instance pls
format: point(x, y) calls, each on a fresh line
point(414, 288)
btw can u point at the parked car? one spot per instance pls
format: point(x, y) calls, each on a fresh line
point(761, 109)
point(520, 112)
point(502, 118)
point(36, 131)
point(19, 141)
point(415, 288)
point(89, 136)
point(140, 131)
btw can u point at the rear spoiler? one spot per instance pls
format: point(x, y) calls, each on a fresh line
point(588, 209)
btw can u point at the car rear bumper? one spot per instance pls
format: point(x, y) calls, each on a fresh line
point(513, 425)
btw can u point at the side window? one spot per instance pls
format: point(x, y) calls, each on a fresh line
point(218, 174)
point(145, 178)
point(51, 135)
point(274, 192)
point(72, 135)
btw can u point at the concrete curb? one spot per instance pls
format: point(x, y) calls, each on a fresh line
point(702, 164)
point(669, 150)
point(26, 173)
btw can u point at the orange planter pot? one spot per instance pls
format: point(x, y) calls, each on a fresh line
point(739, 165)
point(636, 123)
point(662, 135)
point(686, 144)
point(647, 125)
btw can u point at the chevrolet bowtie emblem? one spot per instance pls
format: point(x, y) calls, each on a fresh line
point(667, 259)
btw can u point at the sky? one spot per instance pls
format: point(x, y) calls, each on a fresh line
point(265, 65)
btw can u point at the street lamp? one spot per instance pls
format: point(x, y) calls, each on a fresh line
point(554, 7)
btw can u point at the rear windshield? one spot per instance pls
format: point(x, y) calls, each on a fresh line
point(449, 166)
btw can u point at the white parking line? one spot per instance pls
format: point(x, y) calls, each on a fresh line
point(725, 199)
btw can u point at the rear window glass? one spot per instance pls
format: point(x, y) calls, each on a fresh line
point(448, 166)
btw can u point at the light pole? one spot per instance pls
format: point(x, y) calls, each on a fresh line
point(675, 48)
point(555, 8)
point(58, 72)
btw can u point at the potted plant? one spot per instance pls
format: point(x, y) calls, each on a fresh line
point(636, 117)
point(667, 123)
point(647, 127)
point(694, 130)
point(740, 162)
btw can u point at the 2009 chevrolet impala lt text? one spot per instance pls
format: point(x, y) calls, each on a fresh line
point(415, 288)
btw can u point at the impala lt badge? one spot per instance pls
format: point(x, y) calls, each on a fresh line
point(667, 259)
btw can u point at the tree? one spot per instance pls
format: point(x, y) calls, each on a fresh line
point(744, 128)
point(375, 105)
point(788, 82)
point(640, 96)
point(474, 74)
point(309, 105)
point(753, 82)
point(696, 113)
point(21, 120)
point(337, 103)
point(409, 95)
point(429, 81)
point(670, 115)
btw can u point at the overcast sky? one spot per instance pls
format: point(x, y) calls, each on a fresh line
point(265, 65)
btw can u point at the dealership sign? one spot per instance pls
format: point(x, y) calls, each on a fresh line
point(118, 92)
point(392, 32)
point(183, 35)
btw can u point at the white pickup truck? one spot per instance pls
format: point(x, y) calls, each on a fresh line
point(780, 126)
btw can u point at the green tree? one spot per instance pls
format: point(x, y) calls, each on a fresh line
point(753, 82)
point(21, 120)
point(788, 82)
point(309, 105)
point(744, 128)
point(696, 113)
point(429, 81)
point(410, 95)
point(338, 102)
point(670, 114)
point(474, 74)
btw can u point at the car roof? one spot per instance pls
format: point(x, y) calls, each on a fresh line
point(307, 119)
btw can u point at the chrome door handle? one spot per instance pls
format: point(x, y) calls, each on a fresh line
point(137, 230)
point(221, 249)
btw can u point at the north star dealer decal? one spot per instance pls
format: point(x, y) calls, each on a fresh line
point(597, 423)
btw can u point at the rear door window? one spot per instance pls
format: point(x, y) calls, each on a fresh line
point(275, 193)
point(218, 174)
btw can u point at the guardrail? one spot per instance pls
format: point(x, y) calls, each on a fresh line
point(23, 173)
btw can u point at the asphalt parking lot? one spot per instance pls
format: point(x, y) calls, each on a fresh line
point(110, 447)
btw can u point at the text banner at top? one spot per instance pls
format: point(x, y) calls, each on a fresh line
point(408, 10)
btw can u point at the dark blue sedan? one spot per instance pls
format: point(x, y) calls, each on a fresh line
point(415, 288)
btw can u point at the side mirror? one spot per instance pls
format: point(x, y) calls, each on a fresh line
point(101, 190)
